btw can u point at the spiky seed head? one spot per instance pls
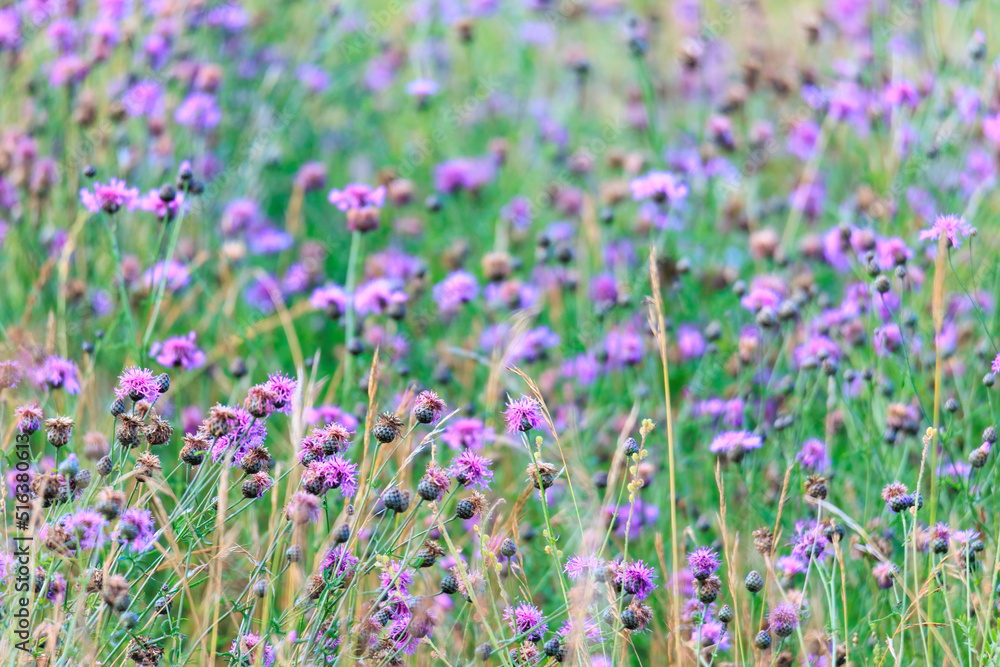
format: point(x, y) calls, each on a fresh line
point(396, 500)
point(726, 614)
point(763, 540)
point(630, 620)
point(484, 651)
point(762, 641)
point(465, 509)
point(427, 490)
point(551, 647)
point(387, 427)
point(117, 407)
point(754, 582)
point(449, 584)
point(250, 489)
point(507, 548)
point(294, 553)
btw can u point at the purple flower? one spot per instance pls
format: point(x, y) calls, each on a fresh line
point(703, 562)
point(198, 111)
point(953, 227)
point(526, 619)
point(338, 472)
point(339, 562)
point(636, 578)
point(88, 527)
point(29, 418)
point(468, 433)
point(283, 388)
point(783, 620)
point(581, 566)
point(330, 298)
point(375, 296)
point(661, 186)
point(396, 578)
point(136, 528)
point(137, 383)
point(422, 88)
point(163, 210)
point(810, 541)
point(357, 196)
point(329, 414)
point(469, 174)
point(177, 275)
point(249, 649)
point(110, 198)
point(733, 444)
point(145, 98)
point(178, 352)
point(459, 288)
point(471, 469)
point(523, 414)
point(813, 455)
point(57, 373)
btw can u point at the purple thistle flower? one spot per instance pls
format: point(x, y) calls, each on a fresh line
point(460, 287)
point(29, 418)
point(137, 383)
point(810, 541)
point(581, 566)
point(153, 203)
point(783, 619)
point(953, 227)
point(526, 619)
point(136, 528)
point(283, 388)
point(251, 650)
point(703, 562)
point(303, 508)
point(733, 444)
point(88, 526)
point(636, 578)
point(331, 414)
point(178, 352)
point(338, 472)
point(523, 414)
point(110, 198)
point(58, 373)
point(198, 111)
point(468, 433)
point(357, 196)
point(330, 298)
point(396, 578)
point(813, 455)
point(339, 562)
point(995, 365)
point(471, 469)
point(661, 186)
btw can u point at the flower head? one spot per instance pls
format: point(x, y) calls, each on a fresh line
point(660, 186)
point(136, 528)
point(471, 469)
point(110, 198)
point(703, 562)
point(178, 352)
point(523, 414)
point(526, 619)
point(248, 646)
point(952, 227)
point(137, 384)
point(636, 578)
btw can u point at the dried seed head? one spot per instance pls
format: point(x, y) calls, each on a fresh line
point(158, 431)
point(387, 427)
point(129, 431)
point(146, 466)
point(58, 430)
point(763, 540)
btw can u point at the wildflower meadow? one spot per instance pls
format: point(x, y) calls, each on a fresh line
point(499, 332)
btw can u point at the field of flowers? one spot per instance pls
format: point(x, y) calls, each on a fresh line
point(459, 332)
